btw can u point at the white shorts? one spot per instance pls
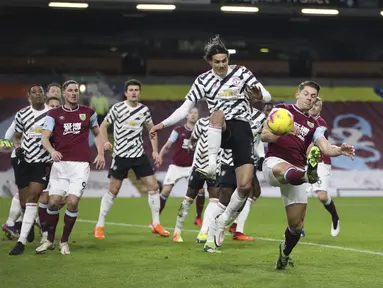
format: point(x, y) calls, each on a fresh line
point(324, 172)
point(68, 177)
point(291, 194)
point(175, 173)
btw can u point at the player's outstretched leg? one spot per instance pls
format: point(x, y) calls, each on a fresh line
point(207, 218)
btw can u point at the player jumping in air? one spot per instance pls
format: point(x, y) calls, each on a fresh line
point(286, 160)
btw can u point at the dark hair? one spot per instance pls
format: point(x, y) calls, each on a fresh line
point(34, 85)
point(52, 98)
point(130, 82)
point(311, 84)
point(213, 47)
point(268, 103)
point(54, 84)
point(67, 83)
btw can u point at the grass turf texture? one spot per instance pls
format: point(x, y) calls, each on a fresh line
point(134, 257)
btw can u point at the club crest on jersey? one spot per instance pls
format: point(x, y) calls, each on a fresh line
point(311, 125)
point(82, 117)
point(236, 81)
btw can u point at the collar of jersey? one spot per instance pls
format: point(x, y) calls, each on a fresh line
point(229, 69)
point(70, 110)
point(300, 111)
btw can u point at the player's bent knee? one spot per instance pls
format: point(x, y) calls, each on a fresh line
point(322, 195)
point(217, 117)
point(244, 187)
point(165, 190)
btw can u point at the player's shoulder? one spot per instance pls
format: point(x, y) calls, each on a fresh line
point(143, 107)
point(284, 106)
point(25, 109)
point(54, 111)
point(321, 121)
point(85, 109)
point(204, 75)
point(178, 128)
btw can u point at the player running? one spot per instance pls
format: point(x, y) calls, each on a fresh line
point(70, 125)
point(285, 163)
point(34, 161)
point(227, 90)
point(320, 188)
point(198, 143)
point(128, 118)
point(182, 160)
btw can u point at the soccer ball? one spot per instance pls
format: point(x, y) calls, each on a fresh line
point(280, 121)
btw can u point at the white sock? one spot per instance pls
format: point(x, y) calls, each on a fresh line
point(154, 204)
point(219, 209)
point(211, 206)
point(235, 204)
point(14, 211)
point(106, 204)
point(242, 217)
point(28, 221)
point(214, 137)
point(182, 213)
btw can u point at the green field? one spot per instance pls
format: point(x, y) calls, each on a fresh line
point(279, 93)
point(130, 256)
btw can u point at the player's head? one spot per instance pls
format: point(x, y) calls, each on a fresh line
point(71, 92)
point(308, 92)
point(54, 90)
point(217, 56)
point(53, 101)
point(132, 90)
point(36, 94)
point(267, 107)
point(317, 108)
point(192, 115)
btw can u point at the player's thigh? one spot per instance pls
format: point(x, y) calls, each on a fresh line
point(267, 170)
point(324, 173)
point(78, 178)
point(22, 175)
point(240, 142)
point(195, 181)
point(58, 180)
point(175, 173)
point(227, 177)
point(119, 168)
point(293, 194)
point(38, 177)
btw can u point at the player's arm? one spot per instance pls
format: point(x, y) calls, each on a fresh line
point(7, 142)
point(100, 159)
point(173, 138)
point(255, 88)
point(331, 150)
point(154, 141)
point(45, 138)
point(268, 136)
point(108, 120)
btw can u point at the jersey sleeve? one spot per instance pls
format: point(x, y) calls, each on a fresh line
point(112, 115)
point(93, 120)
point(173, 136)
point(49, 123)
point(18, 123)
point(197, 91)
point(148, 117)
point(319, 131)
point(197, 131)
point(10, 131)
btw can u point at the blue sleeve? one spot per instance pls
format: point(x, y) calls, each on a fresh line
point(173, 137)
point(49, 123)
point(93, 120)
point(318, 133)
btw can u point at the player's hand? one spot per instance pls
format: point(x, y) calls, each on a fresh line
point(347, 150)
point(108, 146)
point(157, 159)
point(191, 148)
point(254, 93)
point(56, 156)
point(295, 131)
point(156, 128)
point(99, 161)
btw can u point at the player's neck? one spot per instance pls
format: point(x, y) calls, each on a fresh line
point(131, 103)
point(302, 109)
point(189, 125)
point(38, 107)
point(70, 106)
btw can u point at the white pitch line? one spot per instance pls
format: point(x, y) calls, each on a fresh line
point(258, 238)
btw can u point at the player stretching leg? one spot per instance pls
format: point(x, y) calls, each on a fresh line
point(34, 167)
point(199, 141)
point(70, 125)
point(324, 172)
point(285, 163)
point(182, 160)
point(129, 118)
point(227, 90)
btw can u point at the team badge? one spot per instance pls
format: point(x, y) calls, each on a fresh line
point(82, 117)
point(311, 125)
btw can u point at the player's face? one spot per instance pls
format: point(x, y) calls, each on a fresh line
point(54, 91)
point(317, 108)
point(220, 63)
point(193, 116)
point(71, 93)
point(267, 109)
point(306, 98)
point(53, 103)
point(36, 95)
point(133, 92)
